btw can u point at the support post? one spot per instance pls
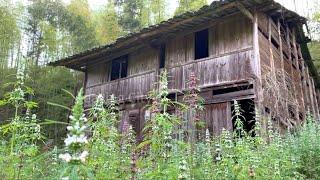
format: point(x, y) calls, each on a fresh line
point(291, 60)
point(286, 113)
point(298, 69)
point(256, 66)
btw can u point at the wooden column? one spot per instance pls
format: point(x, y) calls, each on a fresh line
point(298, 69)
point(286, 113)
point(304, 82)
point(281, 52)
point(291, 67)
point(256, 66)
point(306, 91)
point(273, 69)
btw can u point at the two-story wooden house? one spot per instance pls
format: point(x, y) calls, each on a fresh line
point(253, 51)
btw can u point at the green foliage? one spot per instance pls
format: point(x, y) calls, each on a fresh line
point(9, 31)
point(48, 84)
point(76, 153)
point(189, 5)
point(136, 14)
point(108, 28)
point(164, 153)
point(80, 25)
point(19, 137)
point(158, 9)
point(110, 151)
point(314, 48)
point(130, 13)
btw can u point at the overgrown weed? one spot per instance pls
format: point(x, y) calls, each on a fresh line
point(96, 148)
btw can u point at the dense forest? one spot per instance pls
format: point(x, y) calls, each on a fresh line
point(44, 128)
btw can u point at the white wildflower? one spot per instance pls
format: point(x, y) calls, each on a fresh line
point(69, 140)
point(66, 157)
point(83, 118)
point(71, 117)
point(75, 139)
point(82, 139)
point(70, 128)
point(83, 156)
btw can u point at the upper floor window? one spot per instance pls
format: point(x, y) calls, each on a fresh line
point(119, 68)
point(162, 56)
point(201, 44)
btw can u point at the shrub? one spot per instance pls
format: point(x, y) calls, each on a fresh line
point(96, 149)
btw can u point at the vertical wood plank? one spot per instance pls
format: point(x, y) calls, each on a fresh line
point(256, 65)
point(310, 92)
point(298, 69)
point(315, 99)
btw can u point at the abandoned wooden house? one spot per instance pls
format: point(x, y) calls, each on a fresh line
point(253, 51)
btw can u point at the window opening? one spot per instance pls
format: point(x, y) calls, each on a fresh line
point(162, 56)
point(201, 44)
point(119, 68)
point(231, 89)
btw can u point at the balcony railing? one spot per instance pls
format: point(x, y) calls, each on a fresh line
point(227, 68)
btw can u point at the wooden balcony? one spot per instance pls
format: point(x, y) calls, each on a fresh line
point(228, 68)
point(132, 87)
point(212, 71)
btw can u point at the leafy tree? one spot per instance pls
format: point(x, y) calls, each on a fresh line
point(10, 33)
point(49, 84)
point(158, 8)
point(108, 28)
point(55, 30)
point(314, 48)
point(129, 14)
point(189, 5)
point(42, 27)
point(315, 44)
point(80, 26)
point(153, 12)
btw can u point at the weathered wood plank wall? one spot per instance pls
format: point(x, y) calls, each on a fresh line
point(230, 45)
point(230, 68)
point(279, 52)
point(143, 60)
point(132, 87)
point(98, 74)
point(217, 117)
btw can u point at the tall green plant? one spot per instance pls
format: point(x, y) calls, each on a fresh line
point(76, 153)
point(19, 137)
point(110, 150)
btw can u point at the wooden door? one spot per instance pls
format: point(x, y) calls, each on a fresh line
point(218, 116)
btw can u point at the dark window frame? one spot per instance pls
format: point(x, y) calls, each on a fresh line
point(201, 44)
point(162, 56)
point(119, 68)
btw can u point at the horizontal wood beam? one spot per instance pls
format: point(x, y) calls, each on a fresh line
point(238, 95)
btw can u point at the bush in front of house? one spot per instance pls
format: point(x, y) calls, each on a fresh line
point(96, 149)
